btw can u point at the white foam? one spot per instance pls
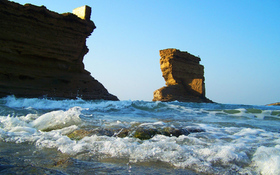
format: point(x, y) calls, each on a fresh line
point(22, 129)
point(9, 122)
point(159, 148)
point(249, 132)
point(153, 124)
point(58, 119)
point(36, 103)
point(197, 151)
point(215, 151)
point(267, 160)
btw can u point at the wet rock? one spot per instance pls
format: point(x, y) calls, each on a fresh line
point(64, 162)
point(112, 132)
point(193, 129)
point(124, 132)
point(170, 131)
point(142, 133)
point(116, 132)
point(104, 131)
point(145, 133)
point(79, 134)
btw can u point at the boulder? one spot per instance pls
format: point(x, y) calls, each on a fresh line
point(41, 53)
point(184, 77)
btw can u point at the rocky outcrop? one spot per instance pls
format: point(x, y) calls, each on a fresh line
point(41, 53)
point(274, 104)
point(184, 77)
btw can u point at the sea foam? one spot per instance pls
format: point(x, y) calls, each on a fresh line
point(58, 119)
point(225, 139)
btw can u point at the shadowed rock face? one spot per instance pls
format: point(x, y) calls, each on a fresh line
point(41, 54)
point(184, 77)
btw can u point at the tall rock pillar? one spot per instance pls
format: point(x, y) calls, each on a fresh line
point(184, 77)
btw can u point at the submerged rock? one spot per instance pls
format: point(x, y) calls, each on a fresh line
point(142, 132)
point(30, 169)
point(184, 77)
point(145, 133)
point(79, 134)
point(64, 162)
point(41, 53)
point(124, 132)
point(170, 131)
point(116, 132)
point(193, 129)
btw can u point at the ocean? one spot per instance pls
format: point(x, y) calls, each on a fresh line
point(48, 136)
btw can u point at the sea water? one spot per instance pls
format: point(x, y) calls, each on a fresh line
point(35, 137)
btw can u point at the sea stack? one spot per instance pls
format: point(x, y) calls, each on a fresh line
point(184, 77)
point(41, 53)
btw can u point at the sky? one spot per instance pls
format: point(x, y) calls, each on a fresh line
point(238, 43)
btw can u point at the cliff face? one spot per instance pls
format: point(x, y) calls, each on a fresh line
point(41, 53)
point(184, 77)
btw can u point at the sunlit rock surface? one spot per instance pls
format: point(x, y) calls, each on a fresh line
point(274, 104)
point(41, 53)
point(184, 77)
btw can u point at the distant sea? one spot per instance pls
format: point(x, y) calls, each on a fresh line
point(36, 137)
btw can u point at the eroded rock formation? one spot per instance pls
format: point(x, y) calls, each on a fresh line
point(184, 77)
point(41, 53)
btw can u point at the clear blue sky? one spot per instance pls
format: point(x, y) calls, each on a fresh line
point(238, 42)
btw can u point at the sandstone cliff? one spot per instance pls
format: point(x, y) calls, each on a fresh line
point(184, 77)
point(41, 53)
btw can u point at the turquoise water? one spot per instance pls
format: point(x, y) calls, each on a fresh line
point(36, 136)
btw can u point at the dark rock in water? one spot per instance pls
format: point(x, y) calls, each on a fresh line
point(142, 132)
point(79, 134)
point(116, 132)
point(145, 133)
point(170, 131)
point(103, 131)
point(193, 129)
point(41, 53)
point(124, 132)
point(64, 162)
point(184, 77)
